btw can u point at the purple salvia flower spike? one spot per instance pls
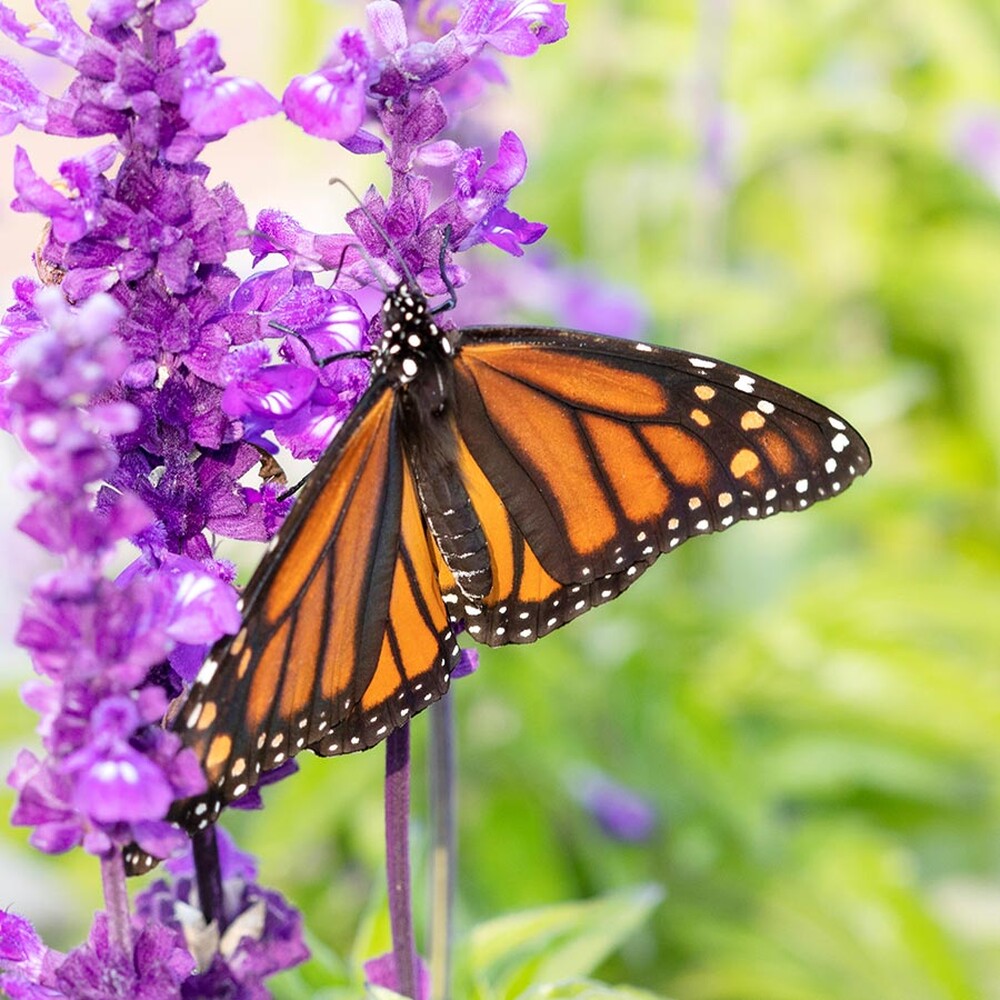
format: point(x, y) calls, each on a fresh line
point(144, 407)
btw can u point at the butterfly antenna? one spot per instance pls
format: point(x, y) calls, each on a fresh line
point(380, 229)
point(341, 260)
point(452, 299)
point(367, 353)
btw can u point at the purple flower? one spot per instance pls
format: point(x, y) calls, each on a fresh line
point(976, 142)
point(407, 82)
point(147, 381)
point(215, 105)
point(330, 102)
point(112, 378)
point(262, 937)
point(620, 812)
point(156, 966)
point(541, 284)
point(381, 971)
point(515, 27)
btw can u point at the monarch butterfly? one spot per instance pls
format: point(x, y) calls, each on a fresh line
point(507, 478)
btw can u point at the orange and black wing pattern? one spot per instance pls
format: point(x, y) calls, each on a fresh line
point(345, 635)
point(586, 457)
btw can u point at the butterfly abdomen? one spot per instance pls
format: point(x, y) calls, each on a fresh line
point(429, 437)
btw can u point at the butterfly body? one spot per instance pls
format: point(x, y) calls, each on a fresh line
point(507, 479)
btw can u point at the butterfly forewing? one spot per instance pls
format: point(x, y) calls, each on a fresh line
point(589, 456)
point(320, 660)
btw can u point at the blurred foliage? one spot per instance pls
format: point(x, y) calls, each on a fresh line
point(813, 703)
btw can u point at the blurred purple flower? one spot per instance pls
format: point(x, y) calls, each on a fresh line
point(975, 140)
point(381, 971)
point(619, 811)
point(94, 640)
point(539, 285)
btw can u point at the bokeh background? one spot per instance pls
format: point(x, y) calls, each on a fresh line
point(811, 705)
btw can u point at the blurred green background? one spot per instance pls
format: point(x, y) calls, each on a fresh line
point(810, 189)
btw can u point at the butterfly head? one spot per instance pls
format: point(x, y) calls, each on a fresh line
point(410, 338)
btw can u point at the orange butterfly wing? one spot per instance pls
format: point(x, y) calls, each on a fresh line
point(587, 457)
point(345, 634)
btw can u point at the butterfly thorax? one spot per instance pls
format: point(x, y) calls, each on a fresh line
point(411, 341)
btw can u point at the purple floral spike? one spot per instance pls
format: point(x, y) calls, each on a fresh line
point(113, 379)
point(406, 82)
point(142, 384)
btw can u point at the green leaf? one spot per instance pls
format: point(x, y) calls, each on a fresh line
point(586, 989)
point(556, 943)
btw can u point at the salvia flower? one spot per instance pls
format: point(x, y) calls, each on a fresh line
point(113, 377)
point(264, 934)
point(146, 380)
point(155, 967)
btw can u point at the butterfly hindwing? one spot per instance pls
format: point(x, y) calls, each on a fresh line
point(587, 457)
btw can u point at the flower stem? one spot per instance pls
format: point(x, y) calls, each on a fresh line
point(397, 861)
point(711, 183)
point(116, 901)
point(208, 872)
point(442, 794)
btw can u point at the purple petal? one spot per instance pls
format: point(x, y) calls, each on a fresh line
point(204, 608)
point(172, 15)
point(160, 838)
point(21, 102)
point(276, 390)
point(69, 219)
point(510, 166)
point(112, 13)
point(122, 787)
point(216, 108)
point(381, 971)
point(518, 27)
point(507, 230)
point(363, 143)
point(326, 106)
point(19, 941)
point(115, 719)
point(440, 154)
point(385, 17)
point(468, 663)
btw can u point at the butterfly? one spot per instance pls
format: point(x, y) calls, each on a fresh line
point(502, 478)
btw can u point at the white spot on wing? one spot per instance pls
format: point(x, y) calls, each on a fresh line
point(207, 672)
